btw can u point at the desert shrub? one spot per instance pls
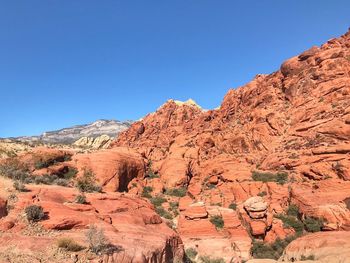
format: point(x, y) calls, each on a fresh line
point(174, 207)
point(150, 173)
point(178, 192)
point(262, 250)
point(217, 221)
point(61, 182)
point(41, 163)
point(310, 257)
point(69, 244)
point(34, 213)
point(233, 206)
point(262, 194)
point(293, 210)
point(80, 199)
point(207, 259)
point(313, 224)
point(19, 186)
point(191, 253)
point(291, 221)
point(87, 183)
point(96, 239)
point(280, 177)
point(146, 192)
point(51, 179)
point(158, 200)
point(15, 170)
point(163, 213)
point(45, 179)
point(71, 173)
point(210, 186)
point(273, 251)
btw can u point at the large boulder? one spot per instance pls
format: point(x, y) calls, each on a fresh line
point(112, 168)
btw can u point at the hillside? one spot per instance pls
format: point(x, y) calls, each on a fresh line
point(71, 134)
point(266, 175)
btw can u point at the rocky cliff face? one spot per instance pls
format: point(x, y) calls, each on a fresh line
point(270, 165)
point(294, 122)
point(70, 135)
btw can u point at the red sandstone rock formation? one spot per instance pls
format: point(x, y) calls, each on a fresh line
point(128, 222)
point(295, 120)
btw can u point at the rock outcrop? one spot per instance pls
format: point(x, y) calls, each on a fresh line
point(292, 124)
point(130, 224)
point(100, 142)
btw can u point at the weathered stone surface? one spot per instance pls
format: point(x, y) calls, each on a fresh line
point(114, 168)
point(128, 222)
point(325, 247)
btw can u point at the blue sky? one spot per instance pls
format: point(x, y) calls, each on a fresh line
point(66, 62)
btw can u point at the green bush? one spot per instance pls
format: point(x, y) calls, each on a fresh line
point(44, 163)
point(15, 170)
point(233, 206)
point(291, 221)
point(61, 182)
point(80, 199)
point(174, 207)
point(69, 244)
point(19, 186)
point(146, 192)
point(191, 253)
point(152, 175)
point(262, 194)
point(313, 224)
point(161, 211)
point(207, 259)
point(217, 221)
point(178, 192)
point(293, 210)
point(34, 213)
point(280, 177)
point(87, 183)
point(158, 200)
point(262, 250)
point(51, 179)
point(70, 174)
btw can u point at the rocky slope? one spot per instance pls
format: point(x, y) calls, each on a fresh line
point(294, 122)
point(70, 135)
point(253, 178)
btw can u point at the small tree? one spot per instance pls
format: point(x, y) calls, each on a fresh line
point(34, 213)
point(217, 221)
point(87, 183)
point(96, 239)
point(313, 224)
point(80, 199)
point(233, 206)
point(19, 186)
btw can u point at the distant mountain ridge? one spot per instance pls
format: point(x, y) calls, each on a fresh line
point(71, 134)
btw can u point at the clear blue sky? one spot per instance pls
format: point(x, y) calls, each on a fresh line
point(66, 62)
